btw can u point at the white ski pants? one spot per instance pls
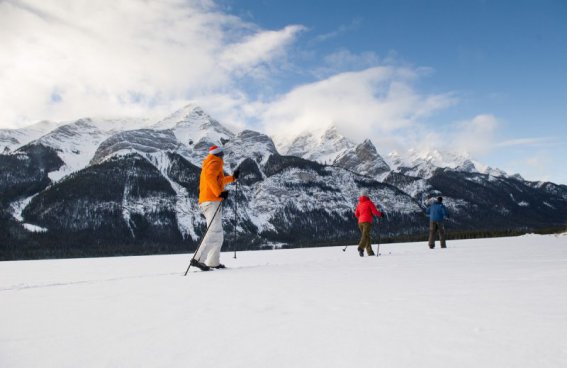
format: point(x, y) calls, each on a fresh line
point(209, 252)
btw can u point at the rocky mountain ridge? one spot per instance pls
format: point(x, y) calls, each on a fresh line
point(83, 189)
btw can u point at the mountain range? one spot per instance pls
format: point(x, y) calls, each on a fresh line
point(130, 186)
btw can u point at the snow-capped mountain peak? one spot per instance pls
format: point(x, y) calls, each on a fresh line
point(12, 139)
point(193, 127)
point(141, 187)
point(439, 158)
point(250, 144)
point(190, 115)
point(363, 159)
point(322, 145)
point(77, 141)
point(423, 163)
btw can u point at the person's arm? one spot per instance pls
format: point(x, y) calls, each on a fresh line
point(357, 212)
point(230, 178)
point(227, 179)
point(375, 211)
point(427, 211)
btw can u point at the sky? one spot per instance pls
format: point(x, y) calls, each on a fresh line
point(481, 77)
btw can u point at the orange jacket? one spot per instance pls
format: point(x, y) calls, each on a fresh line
point(212, 179)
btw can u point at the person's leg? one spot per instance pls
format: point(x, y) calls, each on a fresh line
point(216, 240)
point(361, 242)
point(364, 238)
point(442, 235)
point(369, 250)
point(212, 237)
point(432, 233)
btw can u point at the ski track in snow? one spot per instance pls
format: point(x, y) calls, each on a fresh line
point(86, 282)
point(480, 303)
point(114, 279)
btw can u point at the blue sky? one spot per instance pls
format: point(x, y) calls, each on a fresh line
point(477, 76)
point(505, 58)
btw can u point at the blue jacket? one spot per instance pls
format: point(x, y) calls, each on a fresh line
point(436, 212)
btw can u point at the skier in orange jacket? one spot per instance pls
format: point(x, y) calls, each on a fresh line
point(211, 195)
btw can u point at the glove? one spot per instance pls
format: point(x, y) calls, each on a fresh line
point(236, 174)
point(224, 195)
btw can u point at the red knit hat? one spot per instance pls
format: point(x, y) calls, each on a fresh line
point(214, 150)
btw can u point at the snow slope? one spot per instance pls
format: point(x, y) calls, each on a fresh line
point(193, 127)
point(424, 163)
point(77, 142)
point(15, 138)
point(321, 145)
point(479, 303)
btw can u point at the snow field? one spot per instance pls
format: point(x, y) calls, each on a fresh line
point(479, 303)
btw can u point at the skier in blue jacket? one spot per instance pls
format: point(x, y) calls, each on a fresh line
point(436, 213)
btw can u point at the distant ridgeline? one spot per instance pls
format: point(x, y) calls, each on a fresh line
point(124, 187)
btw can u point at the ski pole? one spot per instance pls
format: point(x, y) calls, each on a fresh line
point(203, 238)
point(379, 226)
point(235, 216)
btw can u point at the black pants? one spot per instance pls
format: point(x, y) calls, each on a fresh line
point(434, 227)
point(365, 242)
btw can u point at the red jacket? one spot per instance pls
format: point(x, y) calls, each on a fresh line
point(365, 210)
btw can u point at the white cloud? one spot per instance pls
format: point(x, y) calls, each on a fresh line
point(65, 59)
point(258, 48)
point(541, 141)
point(475, 136)
point(536, 165)
point(342, 29)
point(377, 102)
point(344, 60)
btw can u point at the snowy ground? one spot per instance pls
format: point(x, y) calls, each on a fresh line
point(479, 303)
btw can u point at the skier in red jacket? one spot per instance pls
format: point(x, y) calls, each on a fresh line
point(364, 212)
